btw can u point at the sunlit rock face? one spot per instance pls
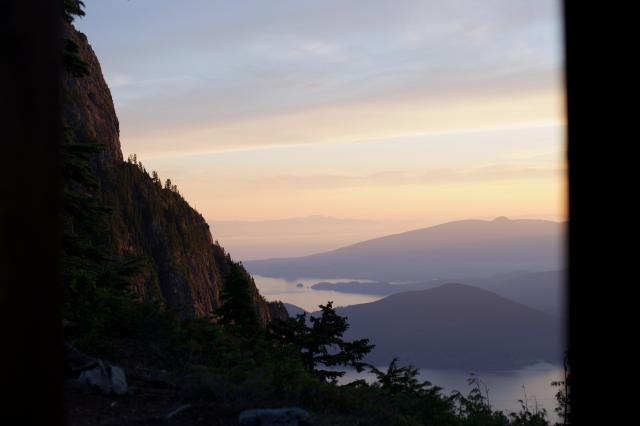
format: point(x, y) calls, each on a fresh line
point(88, 107)
point(184, 269)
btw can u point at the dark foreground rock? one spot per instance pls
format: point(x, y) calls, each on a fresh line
point(103, 378)
point(275, 417)
point(93, 375)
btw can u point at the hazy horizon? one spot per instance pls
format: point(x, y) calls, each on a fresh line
point(301, 236)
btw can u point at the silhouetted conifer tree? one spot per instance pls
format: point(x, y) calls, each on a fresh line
point(322, 342)
point(70, 58)
point(562, 396)
point(238, 309)
point(399, 379)
point(71, 9)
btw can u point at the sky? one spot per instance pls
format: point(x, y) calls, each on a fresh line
point(392, 114)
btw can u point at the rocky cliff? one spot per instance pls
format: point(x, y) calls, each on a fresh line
point(183, 268)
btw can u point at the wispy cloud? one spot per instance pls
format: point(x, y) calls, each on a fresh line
point(250, 106)
point(219, 68)
point(497, 172)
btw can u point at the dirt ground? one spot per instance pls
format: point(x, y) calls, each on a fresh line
point(150, 403)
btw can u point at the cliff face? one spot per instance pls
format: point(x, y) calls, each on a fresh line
point(88, 107)
point(184, 268)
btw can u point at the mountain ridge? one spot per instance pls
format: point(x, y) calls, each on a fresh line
point(451, 250)
point(500, 219)
point(543, 290)
point(455, 326)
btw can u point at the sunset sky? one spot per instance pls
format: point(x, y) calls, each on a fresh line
point(399, 112)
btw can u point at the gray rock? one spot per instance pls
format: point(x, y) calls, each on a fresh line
point(104, 378)
point(275, 417)
point(177, 411)
point(93, 375)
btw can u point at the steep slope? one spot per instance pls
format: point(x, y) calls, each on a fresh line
point(454, 250)
point(184, 269)
point(455, 326)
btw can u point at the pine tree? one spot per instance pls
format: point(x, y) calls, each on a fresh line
point(562, 396)
point(238, 309)
point(70, 57)
point(399, 379)
point(322, 342)
point(93, 280)
point(71, 9)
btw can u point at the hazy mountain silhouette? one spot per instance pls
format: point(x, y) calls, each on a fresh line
point(545, 291)
point(455, 326)
point(454, 250)
point(540, 290)
point(373, 288)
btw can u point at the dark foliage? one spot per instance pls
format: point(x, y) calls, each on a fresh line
point(238, 309)
point(71, 9)
point(562, 396)
point(95, 284)
point(474, 409)
point(322, 343)
point(399, 379)
point(70, 59)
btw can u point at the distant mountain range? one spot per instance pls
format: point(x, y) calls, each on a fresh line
point(540, 290)
point(545, 291)
point(299, 236)
point(455, 326)
point(450, 251)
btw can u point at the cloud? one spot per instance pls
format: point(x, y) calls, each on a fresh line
point(492, 173)
point(251, 104)
point(203, 74)
point(373, 119)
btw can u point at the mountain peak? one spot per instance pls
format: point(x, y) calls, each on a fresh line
point(501, 219)
point(449, 251)
point(455, 326)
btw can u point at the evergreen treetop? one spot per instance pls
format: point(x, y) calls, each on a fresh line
point(322, 342)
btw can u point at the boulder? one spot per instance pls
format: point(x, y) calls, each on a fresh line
point(104, 378)
point(275, 417)
point(94, 375)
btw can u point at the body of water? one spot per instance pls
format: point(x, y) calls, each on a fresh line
point(505, 388)
point(305, 297)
